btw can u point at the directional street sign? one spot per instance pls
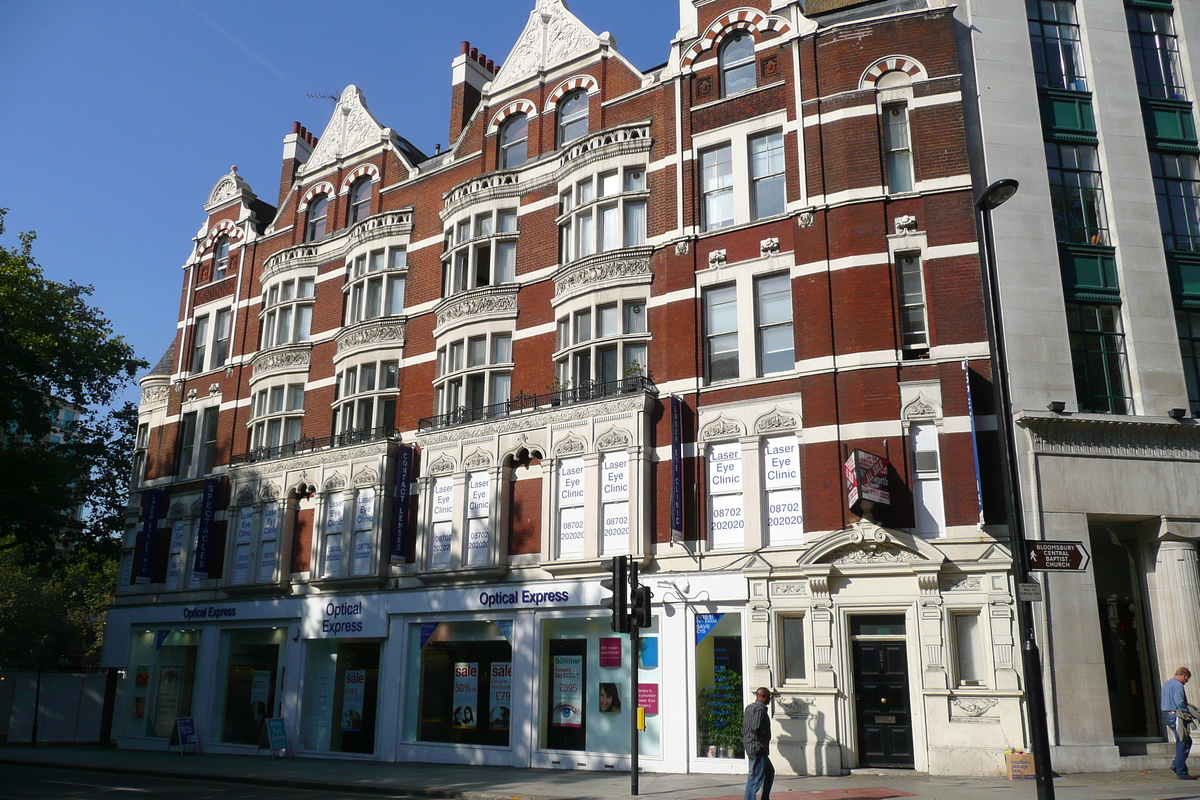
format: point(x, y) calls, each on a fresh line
point(1047, 556)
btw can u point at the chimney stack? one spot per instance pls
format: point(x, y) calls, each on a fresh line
point(469, 71)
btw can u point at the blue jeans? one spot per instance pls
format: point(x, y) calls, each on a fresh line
point(1183, 746)
point(762, 774)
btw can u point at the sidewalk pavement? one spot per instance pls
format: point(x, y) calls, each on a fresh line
point(459, 782)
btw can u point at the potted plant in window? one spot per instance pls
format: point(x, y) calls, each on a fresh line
point(720, 715)
point(556, 388)
point(633, 370)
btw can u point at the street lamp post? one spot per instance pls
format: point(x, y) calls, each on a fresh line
point(1035, 697)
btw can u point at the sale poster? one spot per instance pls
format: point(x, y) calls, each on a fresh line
point(500, 706)
point(354, 690)
point(466, 693)
point(567, 700)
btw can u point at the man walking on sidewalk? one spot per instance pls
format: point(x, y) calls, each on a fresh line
point(1176, 717)
point(756, 738)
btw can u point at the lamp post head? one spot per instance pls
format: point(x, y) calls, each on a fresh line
point(997, 193)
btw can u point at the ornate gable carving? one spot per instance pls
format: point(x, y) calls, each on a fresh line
point(776, 420)
point(335, 482)
point(552, 37)
point(722, 428)
point(570, 446)
point(442, 465)
point(477, 460)
point(867, 543)
point(366, 477)
point(613, 439)
point(229, 187)
point(351, 128)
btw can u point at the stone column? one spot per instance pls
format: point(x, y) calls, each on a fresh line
point(1176, 605)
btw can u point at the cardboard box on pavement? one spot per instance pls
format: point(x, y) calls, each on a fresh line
point(1020, 765)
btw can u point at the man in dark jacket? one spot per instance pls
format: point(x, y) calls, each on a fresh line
point(756, 738)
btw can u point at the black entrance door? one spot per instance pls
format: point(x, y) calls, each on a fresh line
point(881, 700)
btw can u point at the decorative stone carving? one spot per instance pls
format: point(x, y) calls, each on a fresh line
point(805, 219)
point(775, 421)
point(961, 584)
point(881, 554)
point(613, 439)
point(974, 706)
point(769, 246)
point(721, 428)
point(920, 408)
point(610, 269)
point(785, 588)
point(570, 446)
point(155, 394)
point(717, 258)
point(681, 248)
point(442, 465)
point(390, 332)
point(366, 476)
point(245, 496)
point(552, 36)
point(196, 506)
point(273, 360)
point(191, 394)
point(334, 482)
point(610, 141)
point(228, 188)
point(906, 224)
point(270, 493)
point(793, 706)
point(350, 129)
point(391, 223)
point(1122, 438)
point(302, 255)
point(178, 509)
point(477, 460)
point(478, 304)
point(214, 388)
point(497, 183)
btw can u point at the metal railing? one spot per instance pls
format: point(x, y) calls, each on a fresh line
point(585, 392)
point(309, 444)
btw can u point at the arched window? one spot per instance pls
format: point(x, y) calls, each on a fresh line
point(360, 200)
point(318, 216)
point(572, 116)
point(737, 63)
point(221, 258)
point(514, 142)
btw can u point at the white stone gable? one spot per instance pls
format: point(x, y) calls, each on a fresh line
point(351, 128)
point(553, 36)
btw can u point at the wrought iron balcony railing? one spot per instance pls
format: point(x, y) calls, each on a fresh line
point(310, 444)
point(583, 393)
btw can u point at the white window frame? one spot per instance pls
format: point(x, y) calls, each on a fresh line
point(293, 312)
point(267, 420)
point(352, 393)
point(630, 343)
point(614, 193)
point(379, 273)
point(737, 137)
point(454, 372)
point(744, 278)
point(495, 230)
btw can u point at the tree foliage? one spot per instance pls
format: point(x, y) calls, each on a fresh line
point(59, 352)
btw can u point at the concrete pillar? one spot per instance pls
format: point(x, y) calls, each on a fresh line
point(1176, 601)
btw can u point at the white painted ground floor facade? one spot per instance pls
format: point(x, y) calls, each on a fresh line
point(880, 648)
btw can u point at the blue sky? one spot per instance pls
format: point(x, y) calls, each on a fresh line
point(117, 117)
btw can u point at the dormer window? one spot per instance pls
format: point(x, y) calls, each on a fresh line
point(514, 142)
point(737, 63)
point(318, 218)
point(572, 117)
point(221, 258)
point(360, 200)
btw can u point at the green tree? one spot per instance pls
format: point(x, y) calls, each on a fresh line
point(59, 352)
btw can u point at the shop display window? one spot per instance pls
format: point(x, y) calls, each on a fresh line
point(465, 692)
point(341, 692)
point(162, 673)
point(587, 696)
point(721, 696)
point(252, 666)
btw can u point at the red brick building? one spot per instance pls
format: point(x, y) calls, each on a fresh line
point(410, 408)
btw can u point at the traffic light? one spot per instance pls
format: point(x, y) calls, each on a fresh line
point(641, 606)
point(618, 584)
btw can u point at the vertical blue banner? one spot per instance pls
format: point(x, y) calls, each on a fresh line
point(208, 510)
point(676, 469)
point(404, 471)
point(143, 551)
point(974, 443)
